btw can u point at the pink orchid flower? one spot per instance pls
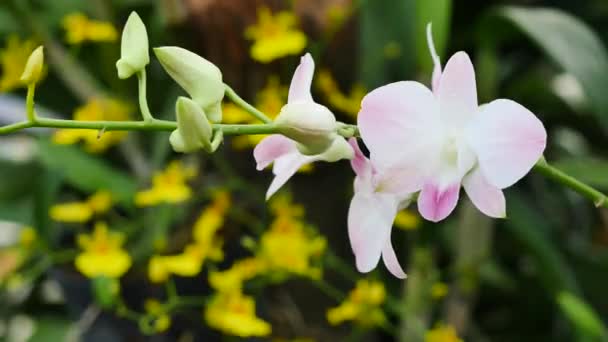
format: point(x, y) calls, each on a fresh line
point(437, 141)
point(309, 132)
point(371, 214)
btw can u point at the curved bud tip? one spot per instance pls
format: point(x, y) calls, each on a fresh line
point(193, 129)
point(34, 67)
point(134, 51)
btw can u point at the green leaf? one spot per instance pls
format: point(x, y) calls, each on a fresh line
point(571, 44)
point(580, 314)
point(16, 179)
point(437, 12)
point(387, 40)
point(51, 328)
point(593, 171)
point(86, 172)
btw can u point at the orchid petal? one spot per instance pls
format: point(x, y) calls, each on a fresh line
point(487, 198)
point(457, 91)
point(435, 203)
point(399, 124)
point(284, 167)
point(360, 164)
point(391, 262)
point(508, 140)
point(299, 90)
point(370, 219)
point(271, 148)
point(436, 61)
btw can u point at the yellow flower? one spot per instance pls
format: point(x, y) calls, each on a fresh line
point(275, 36)
point(439, 290)
point(349, 104)
point(161, 321)
point(10, 261)
point(234, 313)
point(95, 110)
point(168, 186)
point(363, 305)
point(13, 59)
point(288, 247)
point(282, 205)
point(206, 244)
point(407, 220)
point(442, 333)
point(27, 237)
point(102, 253)
point(81, 212)
point(79, 29)
point(233, 278)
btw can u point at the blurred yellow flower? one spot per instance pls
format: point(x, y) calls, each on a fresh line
point(288, 247)
point(282, 205)
point(27, 237)
point(442, 333)
point(13, 58)
point(206, 244)
point(363, 305)
point(81, 212)
point(95, 110)
point(10, 261)
point(168, 186)
point(233, 278)
point(79, 29)
point(439, 290)
point(234, 313)
point(275, 36)
point(161, 320)
point(407, 220)
point(102, 253)
point(347, 103)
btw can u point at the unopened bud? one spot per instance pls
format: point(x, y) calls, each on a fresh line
point(134, 54)
point(310, 124)
point(193, 129)
point(34, 66)
point(201, 79)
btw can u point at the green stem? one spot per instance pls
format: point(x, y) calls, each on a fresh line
point(234, 97)
point(143, 99)
point(29, 103)
point(599, 198)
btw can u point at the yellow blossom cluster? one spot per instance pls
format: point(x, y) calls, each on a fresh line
point(206, 244)
point(102, 253)
point(275, 36)
point(363, 305)
point(97, 109)
point(79, 29)
point(81, 212)
point(13, 58)
point(348, 103)
point(442, 333)
point(161, 321)
point(233, 313)
point(168, 186)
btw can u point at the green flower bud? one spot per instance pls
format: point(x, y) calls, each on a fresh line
point(193, 129)
point(201, 79)
point(134, 54)
point(34, 66)
point(339, 149)
point(310, 124)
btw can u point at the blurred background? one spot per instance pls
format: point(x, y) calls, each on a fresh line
point(113, 237)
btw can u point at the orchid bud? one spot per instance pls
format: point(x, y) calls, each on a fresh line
point(338, 150)
point(193, 129)
point(134, 54)
point(201, 79)
point(34, 66)
point(310, 124)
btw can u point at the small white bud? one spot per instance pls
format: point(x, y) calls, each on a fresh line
point(193, 129)
point(34, 66)
point(201, 79)
point(312, 125)
point(134, 53)
point(339, 149)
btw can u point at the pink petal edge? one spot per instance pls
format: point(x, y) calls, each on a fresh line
point(489, 199)
point(299, 89)
point(435, 204)
point(391, 262)
point(271, 148)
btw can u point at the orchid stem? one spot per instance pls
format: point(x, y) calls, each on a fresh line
point(598, 198)
point(143, 100)
point(234, 97)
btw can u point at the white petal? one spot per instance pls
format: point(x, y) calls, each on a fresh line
point(436, 62)
point(508, 140)
point(299, 90)
point(284, 167)
point(271, 148)
point(457, 91)
point(391, 262)
point(370, 219)
point(487, 198)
